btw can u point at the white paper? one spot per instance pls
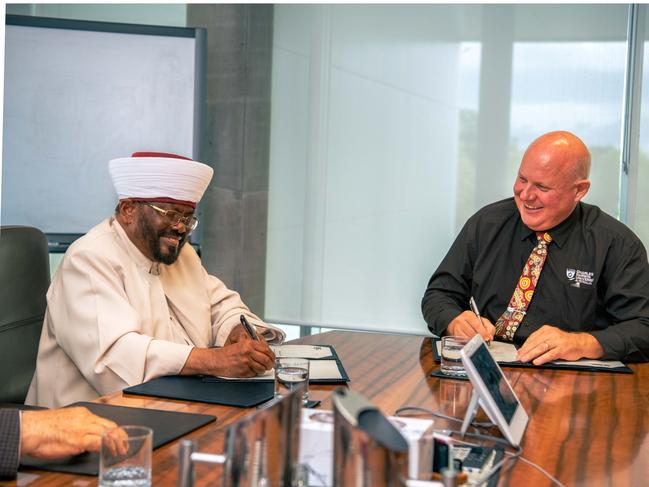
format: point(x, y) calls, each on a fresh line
point(324, 369)
point(608, 364)
point(318, 369)
point(503, 352)
point(302, 351)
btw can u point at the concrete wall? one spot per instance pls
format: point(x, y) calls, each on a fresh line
point(236, 142)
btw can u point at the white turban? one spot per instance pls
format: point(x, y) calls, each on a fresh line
point(162, 177)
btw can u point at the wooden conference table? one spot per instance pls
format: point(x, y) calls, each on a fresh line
point(585, 428)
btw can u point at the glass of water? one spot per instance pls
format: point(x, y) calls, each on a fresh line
point(291, 373)
point(451, 359)
point(125, 457)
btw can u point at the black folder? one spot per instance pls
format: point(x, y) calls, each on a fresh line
point(194, 388)
point(343, 379)
point(166, 426)
point(553, 365)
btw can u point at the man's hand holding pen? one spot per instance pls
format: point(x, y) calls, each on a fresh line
point(245, 354)
point(468, 324)
point(243, 331)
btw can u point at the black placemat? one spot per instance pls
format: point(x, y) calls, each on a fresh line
point(551, 365)
point(166, 426)
point(193, 388)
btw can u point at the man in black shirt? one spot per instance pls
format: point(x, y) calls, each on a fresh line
point(587, 297)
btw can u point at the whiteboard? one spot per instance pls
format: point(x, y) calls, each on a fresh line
point(78, 94)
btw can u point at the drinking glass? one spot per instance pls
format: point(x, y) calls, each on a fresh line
point(290, 373)
point(125, 457)
point(451, 359)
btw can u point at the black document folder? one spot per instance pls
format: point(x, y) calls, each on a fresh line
point(166, 426)
point(194, 388)
point(343, 378)
point(552, 365)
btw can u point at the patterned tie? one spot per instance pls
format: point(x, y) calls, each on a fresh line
point(508, 323)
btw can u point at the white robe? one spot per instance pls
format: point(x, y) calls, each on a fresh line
point(111, 322)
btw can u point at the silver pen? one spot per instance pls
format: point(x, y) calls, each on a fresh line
point(476, 311)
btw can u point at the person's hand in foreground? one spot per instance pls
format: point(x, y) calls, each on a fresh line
point(63, 432)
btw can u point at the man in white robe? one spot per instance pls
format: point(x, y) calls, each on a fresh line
point(131, 302)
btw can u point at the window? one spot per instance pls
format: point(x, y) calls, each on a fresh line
point(392, 124)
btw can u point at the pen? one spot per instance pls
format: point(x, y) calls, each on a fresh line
point(249, 329)
point(476, 311)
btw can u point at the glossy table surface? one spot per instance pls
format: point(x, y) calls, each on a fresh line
point(586, 428)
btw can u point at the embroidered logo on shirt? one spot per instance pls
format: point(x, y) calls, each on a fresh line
point(580, 278)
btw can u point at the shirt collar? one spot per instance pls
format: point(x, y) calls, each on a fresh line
point(561, 232)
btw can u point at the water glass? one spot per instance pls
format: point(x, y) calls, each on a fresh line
point(125, 457)
point(451, 359)
point(290, 373)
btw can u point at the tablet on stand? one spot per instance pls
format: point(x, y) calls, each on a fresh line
point(492, 392)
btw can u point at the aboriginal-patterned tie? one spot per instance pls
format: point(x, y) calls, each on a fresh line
point(508, 323)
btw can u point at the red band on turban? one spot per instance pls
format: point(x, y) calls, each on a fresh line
point(159, 154)
point(164, 200)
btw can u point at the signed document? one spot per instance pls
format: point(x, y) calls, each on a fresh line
point(318, 370)
point(301, 351)
point(504, 352)
point(322, 363)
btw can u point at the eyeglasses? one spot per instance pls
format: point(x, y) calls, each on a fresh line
point(189, 222)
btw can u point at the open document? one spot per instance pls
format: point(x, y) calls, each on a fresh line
point(505, 353)
point(302, 351)
point(324, 364)
point(318, 369)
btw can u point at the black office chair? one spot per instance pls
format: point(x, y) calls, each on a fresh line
point(24, 279)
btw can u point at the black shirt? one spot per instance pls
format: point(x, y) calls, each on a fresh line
point(595, 278)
